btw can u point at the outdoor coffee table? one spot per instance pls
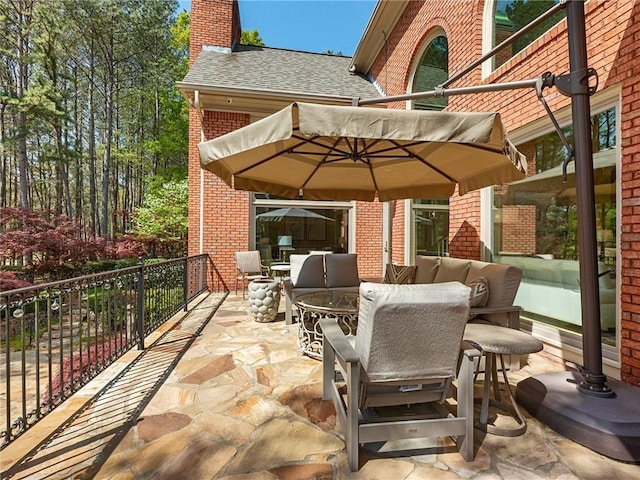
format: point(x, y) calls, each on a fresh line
point(492, 341)
point(338, 305)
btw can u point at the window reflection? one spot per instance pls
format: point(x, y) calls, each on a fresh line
point(511, 15)
point(535, 228)
point(432, 71)
point(281, 231)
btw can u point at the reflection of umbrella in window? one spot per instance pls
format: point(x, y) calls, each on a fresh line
point(542, 186)
point(284, 213)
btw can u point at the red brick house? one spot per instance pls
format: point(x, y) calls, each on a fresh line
point(412, 46)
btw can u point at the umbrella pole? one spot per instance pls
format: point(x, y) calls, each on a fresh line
point(594, 381)
point(604, 421)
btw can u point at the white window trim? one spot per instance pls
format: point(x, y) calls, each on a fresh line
point(487, 36)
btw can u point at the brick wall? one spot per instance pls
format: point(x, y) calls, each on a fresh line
point(621, 22)
point(368, 230)
point(225, 212)
point(519, 229)
point(613, 36)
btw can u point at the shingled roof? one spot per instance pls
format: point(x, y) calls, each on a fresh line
point(268, 69)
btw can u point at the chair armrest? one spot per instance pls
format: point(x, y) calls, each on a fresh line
point(335, 337)
point(512, 311)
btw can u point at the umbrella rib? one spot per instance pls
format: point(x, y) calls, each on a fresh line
point(424, 161)
point(264, 160)
point(324, 160)
point(334, 147)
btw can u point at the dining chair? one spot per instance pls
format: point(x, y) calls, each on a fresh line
point(248, 267)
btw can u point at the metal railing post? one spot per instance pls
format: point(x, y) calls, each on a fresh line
point(185, 284)
point(140, 306)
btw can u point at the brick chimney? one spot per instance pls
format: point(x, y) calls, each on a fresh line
point(214, 23)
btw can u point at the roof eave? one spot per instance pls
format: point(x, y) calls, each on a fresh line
point(257, 103)
point(383, 19)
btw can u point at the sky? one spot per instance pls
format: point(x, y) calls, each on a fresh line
point(308, 25)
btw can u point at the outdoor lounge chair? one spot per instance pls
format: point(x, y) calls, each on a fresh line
point(248, 267)
point(400, 365)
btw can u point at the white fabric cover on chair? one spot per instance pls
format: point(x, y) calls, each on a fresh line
point(395, 320)
point(407, 351)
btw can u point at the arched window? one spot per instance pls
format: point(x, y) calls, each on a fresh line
point(509, 16)
point(429, 233)
point(432, 71)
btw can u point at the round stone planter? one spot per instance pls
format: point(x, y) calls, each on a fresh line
point(264, 299)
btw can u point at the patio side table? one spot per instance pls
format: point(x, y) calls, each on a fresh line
point(492, 341)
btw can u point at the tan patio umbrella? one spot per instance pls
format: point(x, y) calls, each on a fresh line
point(321, 152)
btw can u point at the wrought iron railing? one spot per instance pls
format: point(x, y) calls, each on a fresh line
point(57, 336)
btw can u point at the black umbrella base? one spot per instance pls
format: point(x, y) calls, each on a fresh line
point(609, 426)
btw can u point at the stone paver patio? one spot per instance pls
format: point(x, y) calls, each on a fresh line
point(217, 395)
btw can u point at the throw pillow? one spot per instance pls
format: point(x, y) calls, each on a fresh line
point(399, 274)
point(479, 295)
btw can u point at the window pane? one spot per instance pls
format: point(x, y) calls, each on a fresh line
point(511, 15)
point(282, 231)
point(535, 228)
point(431, 231)
point(432, 71)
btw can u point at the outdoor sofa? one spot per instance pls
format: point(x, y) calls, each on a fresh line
point(494, 285)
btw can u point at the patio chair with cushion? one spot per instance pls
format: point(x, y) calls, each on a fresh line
point(248, 267)
point(400, 365)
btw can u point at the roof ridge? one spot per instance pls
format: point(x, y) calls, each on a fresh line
point(256, 47)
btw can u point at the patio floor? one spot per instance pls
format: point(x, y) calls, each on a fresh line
point(218, 395)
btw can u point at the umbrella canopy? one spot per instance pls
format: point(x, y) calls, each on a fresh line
point(283, 213)
point(322, 152)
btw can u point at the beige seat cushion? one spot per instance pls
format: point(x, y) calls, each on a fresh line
point(426, 269)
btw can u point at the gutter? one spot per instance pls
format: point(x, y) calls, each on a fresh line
point(200, 89)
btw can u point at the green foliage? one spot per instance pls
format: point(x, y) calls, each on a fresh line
point(251, 38)
point(163, 216)
point(90, 107)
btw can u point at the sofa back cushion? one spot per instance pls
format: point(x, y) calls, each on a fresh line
point(503, 281)
point(341, 269)
point(452, 270)
point(307, 271)
point(426, 269)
